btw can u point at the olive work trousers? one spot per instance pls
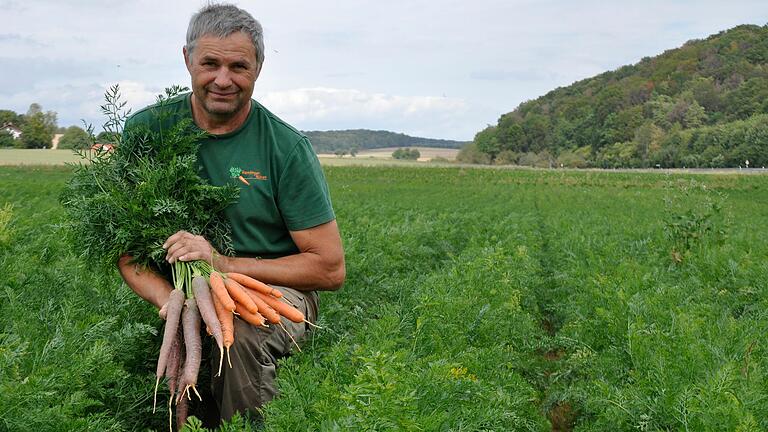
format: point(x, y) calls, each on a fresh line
point(250, 382)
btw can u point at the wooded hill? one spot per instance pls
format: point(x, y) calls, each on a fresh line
point(704, 104)
point(361, 139)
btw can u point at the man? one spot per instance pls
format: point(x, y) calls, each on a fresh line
point(283, 226)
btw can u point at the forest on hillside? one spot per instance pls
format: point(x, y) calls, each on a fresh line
point(704, 104)
point(353, 140)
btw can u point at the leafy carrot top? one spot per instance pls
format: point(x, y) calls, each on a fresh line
point(132, 199)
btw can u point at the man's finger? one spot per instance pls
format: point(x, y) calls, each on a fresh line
point(174, 238)
point(188, 252)
point(173, 249)
point(191, 256)
point(177, 252)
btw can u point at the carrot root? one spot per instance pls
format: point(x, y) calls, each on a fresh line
point(221, 360)
point(198, 394)
point(239, 295)
point(291, 337)
point(254, 284)
point(154, 397)
point(226, 319)
point(283, 308)
point(191, 324)
point(313, 325)
point(220, 291)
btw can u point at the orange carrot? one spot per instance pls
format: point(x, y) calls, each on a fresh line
point(239, 295)
point(254, 318)
point(283, 308)
point(252, 283)
point(269, 313)
point(227, 320)
point(242, 179)
point(220, 291)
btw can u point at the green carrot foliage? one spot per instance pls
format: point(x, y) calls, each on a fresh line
point(130, 200)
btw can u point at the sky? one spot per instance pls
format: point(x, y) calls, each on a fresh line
point(437, 69)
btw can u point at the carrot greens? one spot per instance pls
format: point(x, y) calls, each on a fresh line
point(130, 200)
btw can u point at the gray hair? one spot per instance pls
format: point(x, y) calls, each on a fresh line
point(221, 20)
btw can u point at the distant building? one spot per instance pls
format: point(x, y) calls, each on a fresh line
point(13, 130)
point(103, 147)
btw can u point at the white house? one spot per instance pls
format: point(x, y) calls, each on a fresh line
point(13, 130)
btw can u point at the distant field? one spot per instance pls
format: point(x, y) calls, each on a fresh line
point(369, 158)
point(427, 153)
point(36, 157)
point(378, 157)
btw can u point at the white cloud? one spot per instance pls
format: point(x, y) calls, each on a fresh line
point(137, 95)
point(326, 108)
point(323, 103)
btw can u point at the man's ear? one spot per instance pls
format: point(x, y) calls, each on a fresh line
point(258, 71)
point(186, 58)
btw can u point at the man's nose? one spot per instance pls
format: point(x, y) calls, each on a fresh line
point(222, 78)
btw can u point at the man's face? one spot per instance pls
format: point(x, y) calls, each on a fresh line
point(223, 74)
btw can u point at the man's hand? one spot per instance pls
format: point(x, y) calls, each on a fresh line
point(184, 246)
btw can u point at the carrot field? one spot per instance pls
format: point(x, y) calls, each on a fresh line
point(475, 300)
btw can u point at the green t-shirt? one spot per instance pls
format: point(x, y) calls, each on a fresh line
point(282, 186)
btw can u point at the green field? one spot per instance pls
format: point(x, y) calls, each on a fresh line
point(37, 157)
point(476, 300)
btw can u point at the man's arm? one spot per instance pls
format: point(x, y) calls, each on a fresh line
point(144, 282)
point(319, 265)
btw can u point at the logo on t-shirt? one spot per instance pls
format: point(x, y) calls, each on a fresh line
point(245, 175)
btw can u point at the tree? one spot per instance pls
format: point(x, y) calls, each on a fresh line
point(34, 108)
point(695, 116)
point(6, 139)
point(470, 154)
point(609, 100)
point(406, 153)
point(647, 141)
point(573, 159)
point(8, 116)
point(706, 94)
point(514, 138)
point(537, 132)
point(487, 142)
point(38, 128)
point(75, 138)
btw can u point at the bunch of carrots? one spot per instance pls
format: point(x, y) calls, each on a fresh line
point(203, 295)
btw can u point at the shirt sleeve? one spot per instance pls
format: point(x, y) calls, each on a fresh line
point(303, 197)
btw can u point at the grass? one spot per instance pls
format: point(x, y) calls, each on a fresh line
point(15, 157)
point(475, 300)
